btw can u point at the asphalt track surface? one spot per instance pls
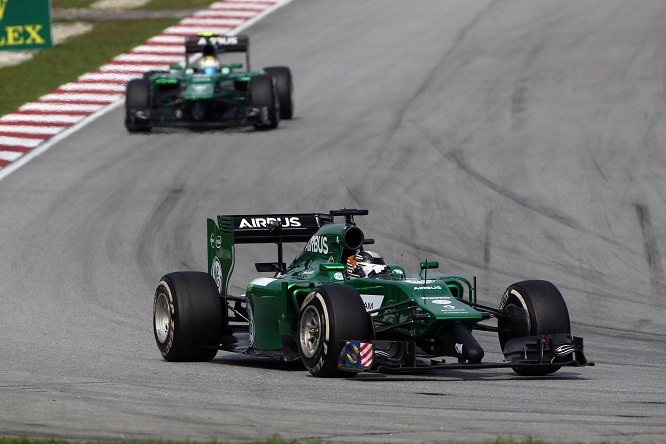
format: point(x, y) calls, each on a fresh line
point(509, 140)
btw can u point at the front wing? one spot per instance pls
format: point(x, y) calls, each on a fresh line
point(547, 351)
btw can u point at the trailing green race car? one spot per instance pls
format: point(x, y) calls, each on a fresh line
point(210, 90)
point(341, 310)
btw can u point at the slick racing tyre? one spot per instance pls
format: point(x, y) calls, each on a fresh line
point(187, 319)
point(534, 308)
point(263, 96)
point(285, 89)
point(137, 101)
point(330, 313)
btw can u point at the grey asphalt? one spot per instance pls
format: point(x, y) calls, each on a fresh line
point(509, 139)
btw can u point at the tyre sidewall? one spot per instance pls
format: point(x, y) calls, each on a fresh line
point(263, 95)
point(137, 98)
point(318, 362)
point(137, 95)
point(195, 322)
point(284, 89)
point(164, 288)
point(342, 317)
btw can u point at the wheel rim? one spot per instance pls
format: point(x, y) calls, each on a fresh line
point(162, 318)
point(310, 331)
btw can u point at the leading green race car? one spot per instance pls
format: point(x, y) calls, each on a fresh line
point(213, 89)
point(341, 310)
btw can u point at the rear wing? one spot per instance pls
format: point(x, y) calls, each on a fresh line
point(215, 45)
point(255, 229)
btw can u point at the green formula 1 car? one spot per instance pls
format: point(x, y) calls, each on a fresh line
point(213, 89)
point(341, 310)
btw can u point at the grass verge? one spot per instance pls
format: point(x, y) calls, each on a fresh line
point(63, 63)
point(153, 4)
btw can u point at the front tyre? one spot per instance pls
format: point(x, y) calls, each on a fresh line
point(533, 308)
point(137, 106)
point(263, 96)
point(330, 313)
point(186, 316)
point(284, 84)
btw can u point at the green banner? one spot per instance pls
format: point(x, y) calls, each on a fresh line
point(25, 24)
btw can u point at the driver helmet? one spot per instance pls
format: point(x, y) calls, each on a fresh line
point(366, 264)
point(209, 65)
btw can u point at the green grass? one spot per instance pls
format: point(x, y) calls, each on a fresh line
point(153, 4)
point(63, 63)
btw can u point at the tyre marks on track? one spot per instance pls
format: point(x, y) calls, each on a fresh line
point(75, 104)
point(652, 256)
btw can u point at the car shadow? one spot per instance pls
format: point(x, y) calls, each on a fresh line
point(257, 362)
point(239, 360)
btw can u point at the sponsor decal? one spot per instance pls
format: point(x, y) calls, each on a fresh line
point(317, 244)
point(428, 287)
point(372, 301)
point(222, 40)
point(215, 241)
point(216, 273)
point(444, 303)
point(264, 222)
point(338, 276)
point(358, 354)
point(451, 308)
point(564, 350)
point(25, 24)
point(459, 348)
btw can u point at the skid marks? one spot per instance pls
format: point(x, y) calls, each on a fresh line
point(652, 256)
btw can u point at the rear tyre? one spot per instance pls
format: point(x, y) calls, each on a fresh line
point(330, 313)
point(263, 96)
point(285, 89)
point(535, 308)
point(186, 316)
point(137, 101)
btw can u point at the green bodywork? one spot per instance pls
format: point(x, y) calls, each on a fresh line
point(401, 305)
point(231, 84)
